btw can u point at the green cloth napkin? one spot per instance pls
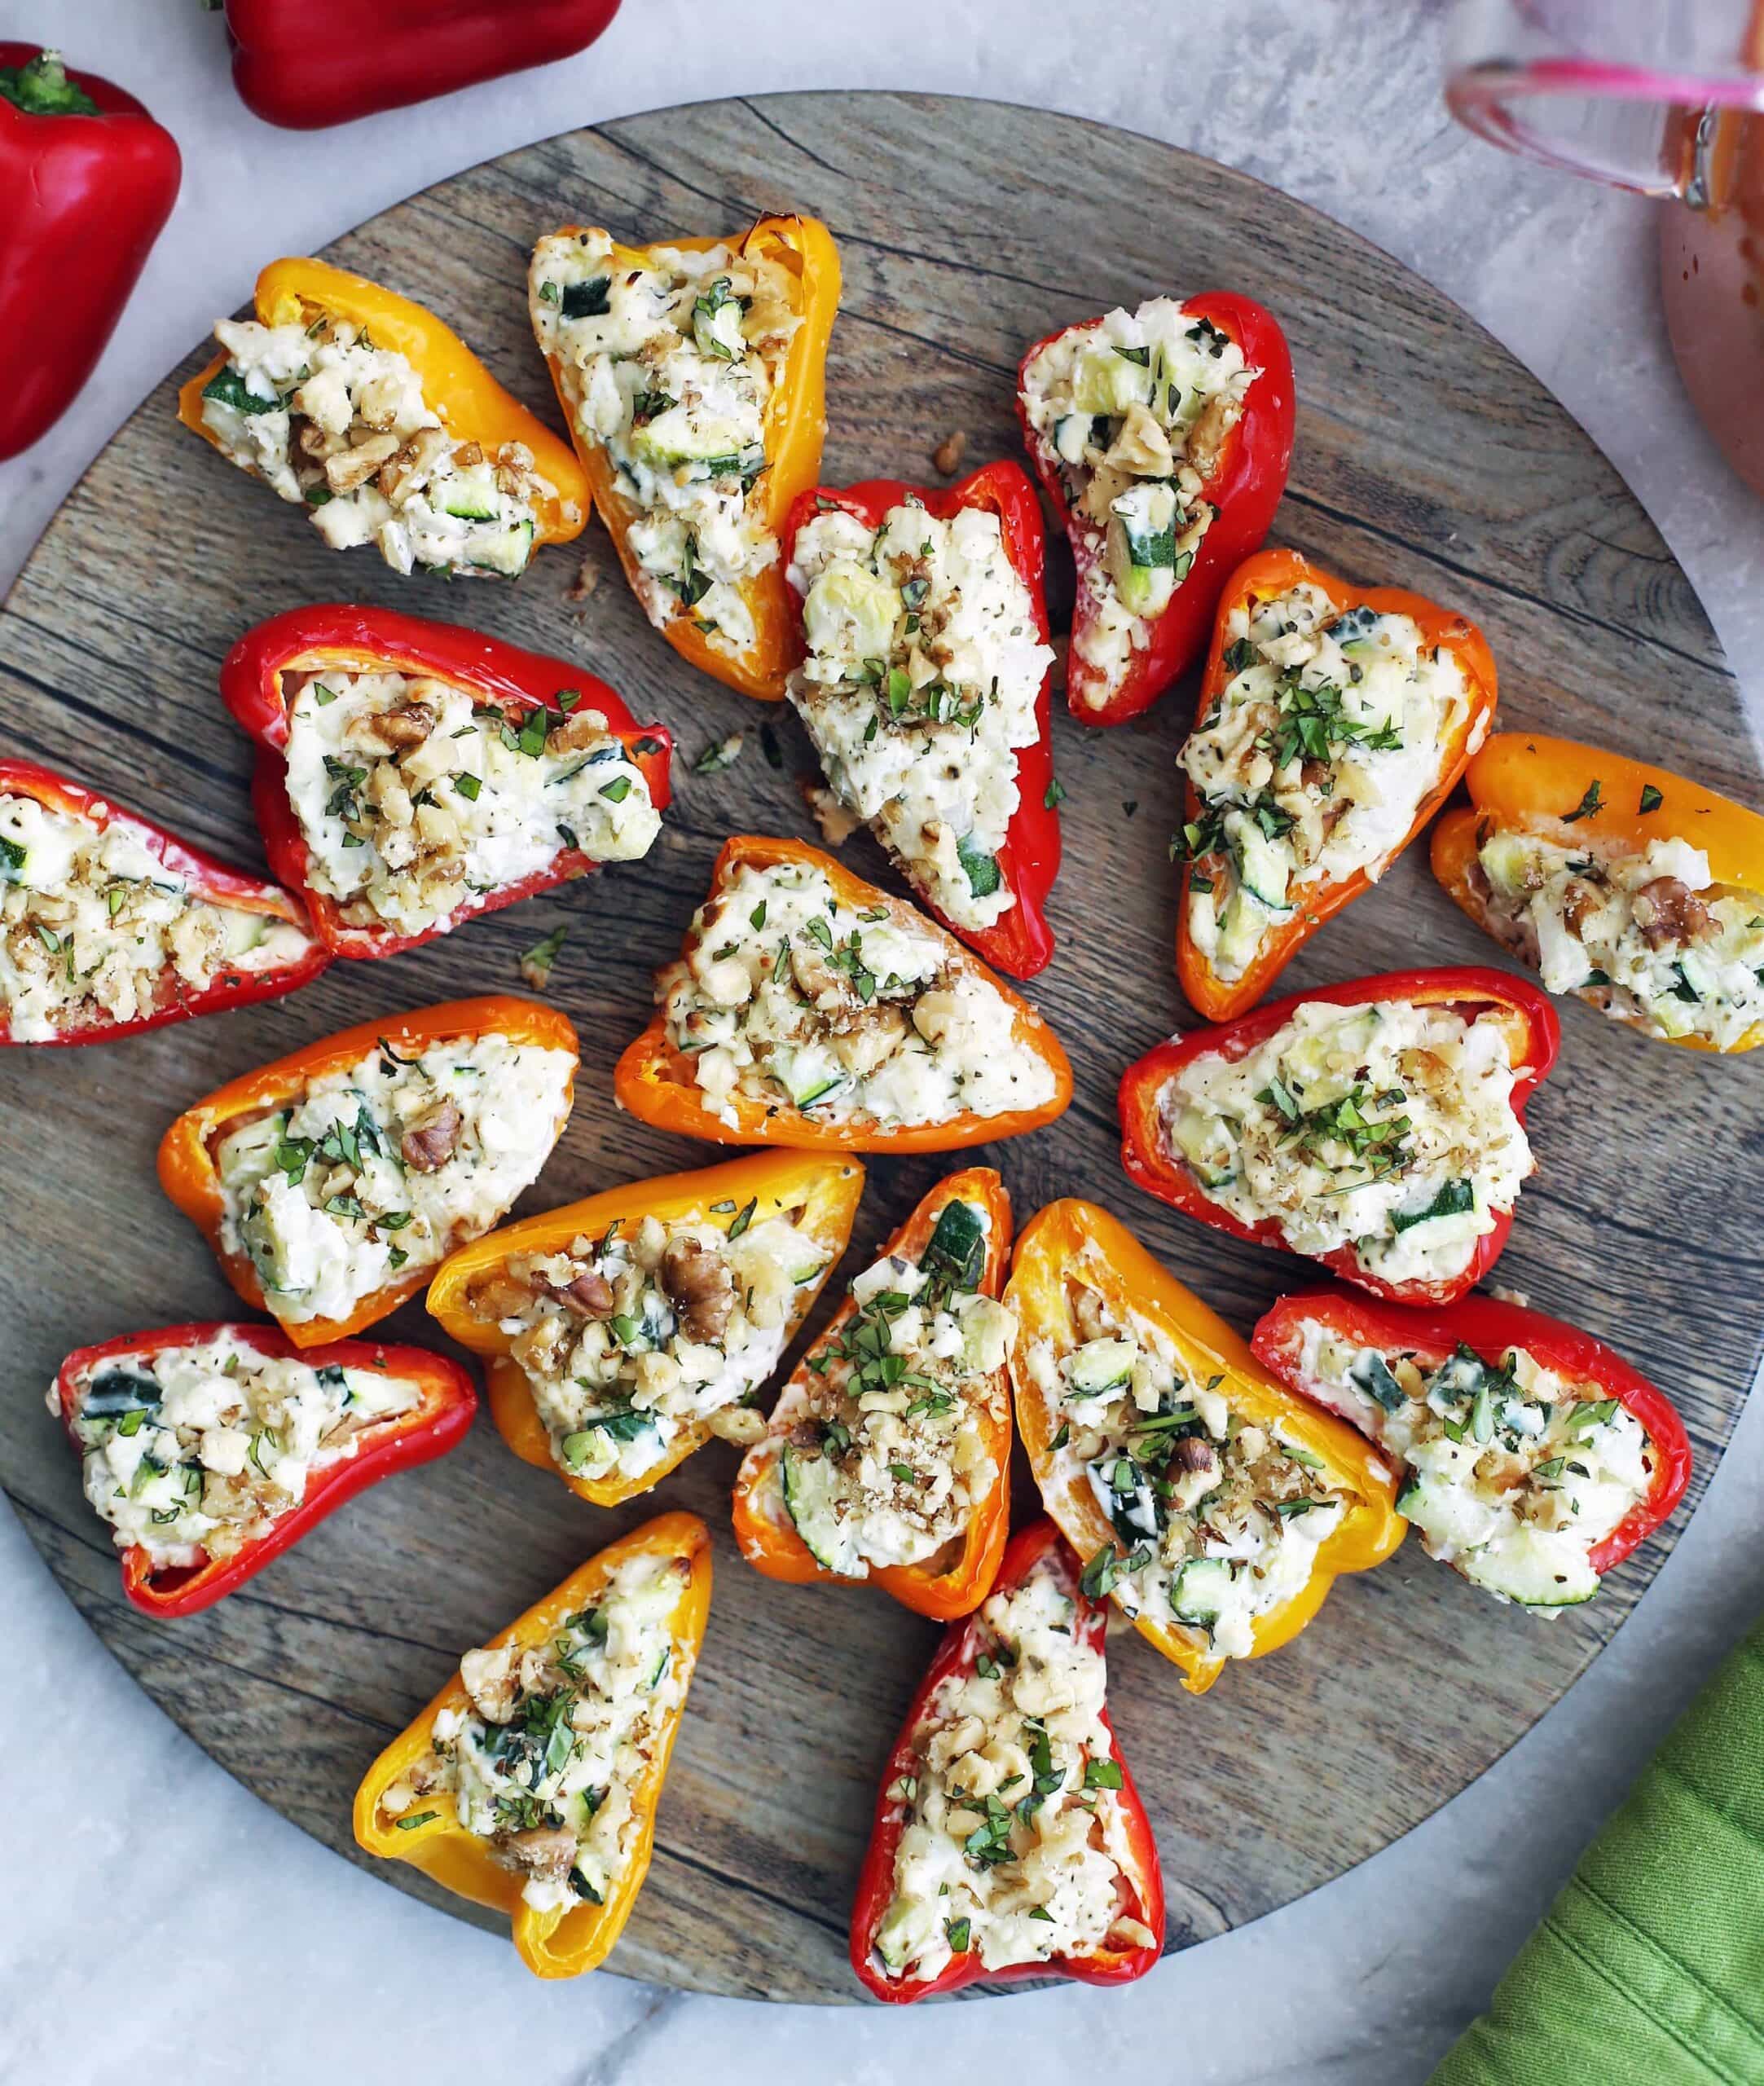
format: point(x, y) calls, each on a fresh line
point(1649, 1968)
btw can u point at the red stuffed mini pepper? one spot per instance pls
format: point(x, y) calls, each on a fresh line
point(1535, 1458)
point(209, 1449)
point(1334, 721)
point(414, 774)
point(89, 180)
point(1027, 1853)
point(925, 688)
point(307, 64)
point(1377, 1126)
point(108, 925)
point(1162, 437)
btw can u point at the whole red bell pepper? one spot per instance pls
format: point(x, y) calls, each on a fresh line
point(307, 64)
point(1533, 1037)
point(1020, 941)
point(1243, 489)
point(341, 637)
point(436, 1423)
point(1141, 1885)
point(206, 879)
point(1491, 1328)
point(89, 180)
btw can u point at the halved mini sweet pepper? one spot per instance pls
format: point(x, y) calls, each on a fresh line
point(655, 1081)
point(1489, 1330)
point(528, 689)
point(190, 1175)
point(1071, 1237)
point(435, 1424)
point(821, 1193)
point(1523, 784)
point(1533, 1036)
point(561, 1941)
point(1021, 941)
point(89, 179)
point(472, 406)
point(1264, 576)
point(302, 958)
point(946, 1584)
point(1037, 1548)
point(795, 424)
point(1243, 487)
point(308, 63)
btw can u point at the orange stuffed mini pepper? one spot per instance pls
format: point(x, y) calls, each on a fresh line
point(887, 1456)
point(1640, 892)
point(1334, 721)
point(624, 1332)
point(809, 1008)
point(1145, 1417)
point(530, 1783)
point(693, 375)
point(331, 1183)
point(352, 401)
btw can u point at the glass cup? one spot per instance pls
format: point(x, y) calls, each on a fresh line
point(1665, 97)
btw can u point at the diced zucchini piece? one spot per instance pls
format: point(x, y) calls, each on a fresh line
point(227, 388)
point(676, 436)
point(1072, 436)
point(1454, 1199)
point(957, 1245)
point(1141, 547)
point(1263, 865)
point(471, 494)
point(118, 1391)
point(808, 1077)
point(589, 300)
point(981, 870)
point(1199, 1591)
point(1100, 1367)
point(246, 1155)
point(1504, 856)
point(1104, 381)
point(848, 604)
point(1534, 1570)
point(1371, 1374)
point(244, 931)
point(1205, 1142)
point(810, 1484)
point(1241, 926)
point(506, 552)
point(1354, 632)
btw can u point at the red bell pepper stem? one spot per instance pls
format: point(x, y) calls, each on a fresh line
point(1020, 941)
point(306, 64)
point(208, 878)
point(1491, 1327)
point(343, 637)
point(1145, 1149)
point(429, 1430)
point(1243, 491)
point(87, 190)
point(961, 1644)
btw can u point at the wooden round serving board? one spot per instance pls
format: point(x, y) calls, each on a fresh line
point(1426, 458)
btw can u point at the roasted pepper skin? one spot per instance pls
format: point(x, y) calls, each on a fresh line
point(875, 1889)
point(439, 1423)
point(653, 1081)
point(795, 426)
point(186, 1167)
point(1491, 1327)
point(768, 1539)
point(474, 406)
point(1051, 1245)
point(777, 1180)
point(1262, 578)
point(306, 64)
point(1243, 489)
point(552, 1944)
point(208, 878)
point(342, 637)
point(87, 194)
point(1525, 782)
point(1021, 942)
point(1533, 1037)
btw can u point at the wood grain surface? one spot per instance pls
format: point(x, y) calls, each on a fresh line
point(1426, 458)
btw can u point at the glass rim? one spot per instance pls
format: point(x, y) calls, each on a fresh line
point(1480, 95)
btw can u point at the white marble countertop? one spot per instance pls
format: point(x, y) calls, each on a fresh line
point(227, 1944)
